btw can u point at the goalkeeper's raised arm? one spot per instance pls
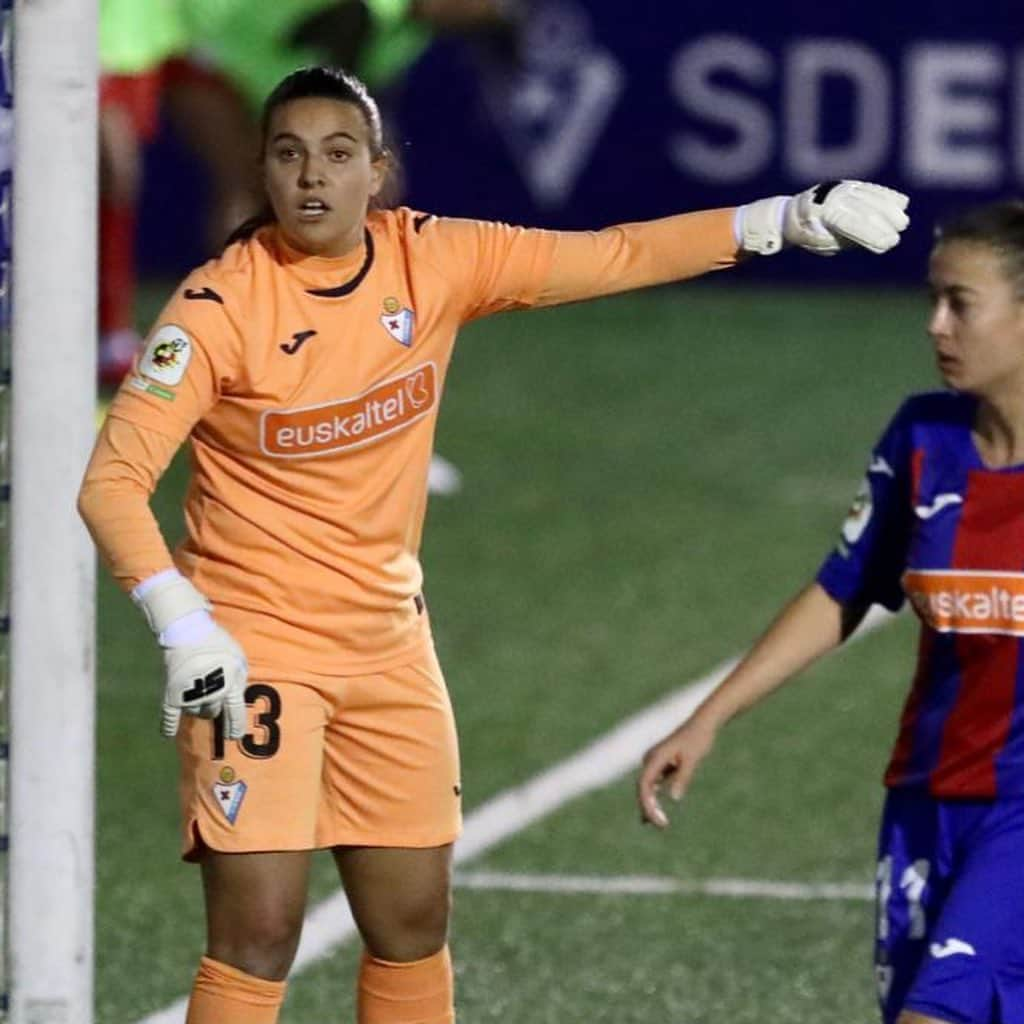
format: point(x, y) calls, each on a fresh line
point(499, 267)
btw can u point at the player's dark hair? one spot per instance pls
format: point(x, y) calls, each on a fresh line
point(314, 83)
point(998, 225)
point(329, 84)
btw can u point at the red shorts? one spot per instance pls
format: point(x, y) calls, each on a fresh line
point(367, 760)
point(194, 71)
point(138, 95)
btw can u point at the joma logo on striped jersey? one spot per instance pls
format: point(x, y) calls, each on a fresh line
point(964, 601)
point(348, 423)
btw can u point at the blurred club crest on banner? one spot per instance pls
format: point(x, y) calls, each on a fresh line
point(552, 109)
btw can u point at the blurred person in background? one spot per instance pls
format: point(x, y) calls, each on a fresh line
point(377, 40)
point(937, 522)
point(211, 118)
point(305, 366)
point(146, 67)
point(135, 40)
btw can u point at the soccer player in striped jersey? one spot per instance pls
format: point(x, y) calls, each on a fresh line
point(938, 523)
point(305, 366)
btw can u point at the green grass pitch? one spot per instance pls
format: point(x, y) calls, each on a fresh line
point(646, 478)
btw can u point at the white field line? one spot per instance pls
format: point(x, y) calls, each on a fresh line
point(652, 885)
point(598, 764)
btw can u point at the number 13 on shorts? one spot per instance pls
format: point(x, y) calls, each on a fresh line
point(265, 738)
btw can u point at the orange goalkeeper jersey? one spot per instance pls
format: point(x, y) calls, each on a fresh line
point(309, 388)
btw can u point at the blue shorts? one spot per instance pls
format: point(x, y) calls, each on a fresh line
point(950, 923)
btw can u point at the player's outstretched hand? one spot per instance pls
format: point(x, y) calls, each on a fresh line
point(825, 219)
point(206, 669)
point(672, 761)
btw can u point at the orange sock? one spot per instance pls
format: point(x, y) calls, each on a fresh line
point(420, 992)
point(226, 995)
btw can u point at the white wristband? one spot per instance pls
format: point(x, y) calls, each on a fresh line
point(758, 226)
point(192, 628)
point(167, 597)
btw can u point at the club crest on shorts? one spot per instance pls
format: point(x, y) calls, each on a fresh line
point(230, 792)
point(398, 321)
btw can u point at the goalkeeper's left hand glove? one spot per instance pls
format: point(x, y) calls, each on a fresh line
point(825, 219)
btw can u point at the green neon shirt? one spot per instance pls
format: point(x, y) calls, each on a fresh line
point(397, 40)
point(136, 36)
point(250, 42)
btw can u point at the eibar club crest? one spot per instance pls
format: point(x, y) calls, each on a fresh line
point(230, 792)
point(398, 321)
point(553, 109)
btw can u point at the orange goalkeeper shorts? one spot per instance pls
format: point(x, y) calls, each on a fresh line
point(368, 760)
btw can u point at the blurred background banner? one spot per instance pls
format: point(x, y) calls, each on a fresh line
point(601, 112)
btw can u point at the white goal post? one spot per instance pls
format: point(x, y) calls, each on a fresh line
point(52, 574)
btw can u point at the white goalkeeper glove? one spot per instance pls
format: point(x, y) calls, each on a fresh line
point(206, 669)
point(829, 217)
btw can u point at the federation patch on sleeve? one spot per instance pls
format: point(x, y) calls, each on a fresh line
point(859, 515)
point(167, 355)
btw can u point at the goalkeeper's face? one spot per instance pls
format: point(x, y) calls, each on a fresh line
point(977, 320)
point(320, 174)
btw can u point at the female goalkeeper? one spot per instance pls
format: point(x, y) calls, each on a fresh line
point(936, 522)
point(305, 366)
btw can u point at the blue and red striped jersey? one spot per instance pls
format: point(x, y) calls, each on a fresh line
point(933, 525)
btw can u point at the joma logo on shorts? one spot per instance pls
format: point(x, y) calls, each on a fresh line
point(350, 422)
